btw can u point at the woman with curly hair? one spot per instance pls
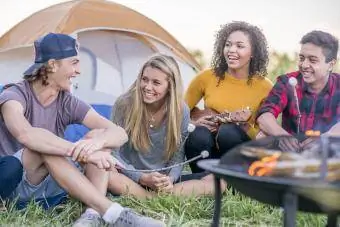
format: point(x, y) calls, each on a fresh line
point(235, 81)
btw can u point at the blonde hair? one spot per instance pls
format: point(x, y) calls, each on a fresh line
point(133, 108)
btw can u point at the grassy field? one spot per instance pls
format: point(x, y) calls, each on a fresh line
point(237, 210)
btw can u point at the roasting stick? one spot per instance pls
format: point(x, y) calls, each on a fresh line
point(203, 154)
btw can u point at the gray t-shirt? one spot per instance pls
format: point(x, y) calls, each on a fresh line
point(154, 158)
point(65, 110)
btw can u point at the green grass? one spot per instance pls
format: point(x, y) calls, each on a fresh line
point(237, 210)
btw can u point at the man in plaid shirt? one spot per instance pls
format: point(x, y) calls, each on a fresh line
point(317, 90)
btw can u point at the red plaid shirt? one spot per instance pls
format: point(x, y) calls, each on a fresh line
point(318, 111)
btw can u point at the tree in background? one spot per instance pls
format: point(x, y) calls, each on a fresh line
point(337, 67)
point(279, 63)
point(199, 57)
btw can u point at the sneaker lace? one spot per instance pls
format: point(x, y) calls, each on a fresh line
point(90, 216)
point(128, 217)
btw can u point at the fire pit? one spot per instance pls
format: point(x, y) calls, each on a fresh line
point(265, 171)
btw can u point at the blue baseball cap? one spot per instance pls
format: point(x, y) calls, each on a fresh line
point(52, 46)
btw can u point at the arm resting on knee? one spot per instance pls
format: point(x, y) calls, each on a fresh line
point(112, 135)
point(37, 139)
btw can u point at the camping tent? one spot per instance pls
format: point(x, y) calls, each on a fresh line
point(114, 43)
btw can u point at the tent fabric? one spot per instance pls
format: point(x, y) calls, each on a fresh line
point(73, 16)
point(76, 131)
point(111, 51)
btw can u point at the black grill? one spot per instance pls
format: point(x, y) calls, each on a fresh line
point(290, 192)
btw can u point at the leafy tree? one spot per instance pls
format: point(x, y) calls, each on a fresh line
point(337, 67)
point(281, 63)
point(199, 57)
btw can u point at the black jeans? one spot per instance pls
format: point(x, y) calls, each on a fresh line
point(192, 176)
point(11, 172)
point(227, 137)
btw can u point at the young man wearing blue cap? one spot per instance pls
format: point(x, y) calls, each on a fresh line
point(34, 115)
point(10, 174)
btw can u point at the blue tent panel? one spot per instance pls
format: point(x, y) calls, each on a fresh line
point(75, 132)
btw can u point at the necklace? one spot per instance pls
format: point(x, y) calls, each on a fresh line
point(152, 120)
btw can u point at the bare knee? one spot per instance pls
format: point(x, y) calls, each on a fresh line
point(93, 169)
point(34, 166)
point(116, 183)
point(55, 162)
point(47, 159)
point(31, 160)
point(122, 185)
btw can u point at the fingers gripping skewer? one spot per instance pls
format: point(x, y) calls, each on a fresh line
point(203, 154)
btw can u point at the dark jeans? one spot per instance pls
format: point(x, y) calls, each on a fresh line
point(11, 172)
point(10, 175)
point(192, 176)
point(46, 203)
point(227, 137)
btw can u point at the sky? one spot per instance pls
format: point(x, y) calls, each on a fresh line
point(194, 23)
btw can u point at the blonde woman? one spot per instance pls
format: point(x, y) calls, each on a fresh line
point(156, 119)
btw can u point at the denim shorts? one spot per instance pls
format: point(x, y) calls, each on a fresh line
point(48, 191)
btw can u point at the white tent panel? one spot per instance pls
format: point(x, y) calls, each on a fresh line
point(187, 72)
point(132, 53)
point(85, 82)
point(13, 63)
point(105, 63)
point(110, 62)
point(108, 79)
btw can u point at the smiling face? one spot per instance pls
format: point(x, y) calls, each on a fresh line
point(154, 85)
point(237, 51)
point(312, 64)
point(64, 71)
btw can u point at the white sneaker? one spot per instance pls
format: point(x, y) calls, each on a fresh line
point(129, 218)
point(88, 219)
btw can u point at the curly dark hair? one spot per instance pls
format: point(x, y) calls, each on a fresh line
point(260, 57)
point(40, 74)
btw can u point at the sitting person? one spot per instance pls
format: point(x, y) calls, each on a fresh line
point(317, 106)
point(235, 81)
point(11, 173)
point(156, 119)
point(34, 115)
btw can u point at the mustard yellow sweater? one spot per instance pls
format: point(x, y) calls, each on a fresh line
point(232, 94)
